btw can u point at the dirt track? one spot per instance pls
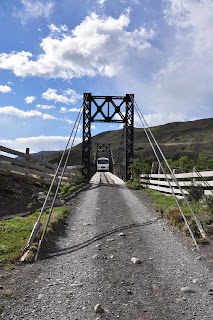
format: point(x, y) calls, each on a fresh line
point(107, 226)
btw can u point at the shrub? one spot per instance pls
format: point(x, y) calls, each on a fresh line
point(175, 215)
point(195, 193)
point(209, 202)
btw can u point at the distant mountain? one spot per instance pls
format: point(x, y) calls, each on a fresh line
point(176, 139)
point(41, 154)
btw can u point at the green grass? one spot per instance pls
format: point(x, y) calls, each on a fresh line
point(7, 294)
point(168, 209)
point(135, 185)
point(14, 233)
point(66, 189)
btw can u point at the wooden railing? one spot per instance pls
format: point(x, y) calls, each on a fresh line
point(186, 180)
point(36, 168)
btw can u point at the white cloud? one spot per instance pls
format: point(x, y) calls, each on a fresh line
point(99, 45)
point(193, 18)
point(155, 119)
point(46, 116)
point(69, 121)
point(74, 110)
point(69, 96)
point(182, 82)
point(101, 2)
point(5, 89)
point(63, 109)
point(12, 111)
point(133, 1)
point(30, 99)
point(41, 143)
point(93, 127)
point(34, 9)
point(44, 106)
point(54, 29)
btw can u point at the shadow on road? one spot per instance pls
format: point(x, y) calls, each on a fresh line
point(86, 243)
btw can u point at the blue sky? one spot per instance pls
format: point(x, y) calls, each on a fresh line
point(51, 52)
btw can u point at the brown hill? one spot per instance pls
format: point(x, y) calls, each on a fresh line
point(176, 139)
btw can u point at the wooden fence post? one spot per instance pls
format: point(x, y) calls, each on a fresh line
point(27, 159)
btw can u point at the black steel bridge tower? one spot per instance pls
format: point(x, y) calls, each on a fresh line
point(104, 109)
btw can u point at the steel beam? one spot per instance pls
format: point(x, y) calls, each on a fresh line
point(93, 112)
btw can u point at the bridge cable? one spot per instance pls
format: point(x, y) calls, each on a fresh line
point(38, 224)
point(202, 232)
point(173, 193)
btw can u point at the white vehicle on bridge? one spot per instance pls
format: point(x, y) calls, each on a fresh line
point(103, 164)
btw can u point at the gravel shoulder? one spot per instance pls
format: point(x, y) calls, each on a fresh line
point(91, 264)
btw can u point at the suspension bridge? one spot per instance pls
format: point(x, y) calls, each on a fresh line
point(111, 109)
point(116, 258)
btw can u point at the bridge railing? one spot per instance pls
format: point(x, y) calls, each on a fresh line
point(159, 183)
point(36, 168)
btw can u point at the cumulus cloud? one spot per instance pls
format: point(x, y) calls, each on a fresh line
point(30, 99)
point(5, 89)
point(12, 111)
point(192, 18)
point(63, 109)
point(69, 121)
point(183, 80)
point(98, 45)
point(46, 116)
point(32, 9)
point(74, 110)
point(159, 118)
point(69, 96)
point(101, 2)
point(44, 106)
point(36, 144)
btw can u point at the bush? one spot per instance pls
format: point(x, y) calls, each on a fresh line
point(175, 215)
point(195, 193)
point(209, 202)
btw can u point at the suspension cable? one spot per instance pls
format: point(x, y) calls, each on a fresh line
point(38, 224)
point(202, 232)
point(56, 192)
point(173, 193)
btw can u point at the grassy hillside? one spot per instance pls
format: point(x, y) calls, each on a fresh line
point(176, 139)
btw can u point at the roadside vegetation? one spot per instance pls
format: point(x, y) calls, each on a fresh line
point(167, 206)
point(183, 164)
point(15, 232)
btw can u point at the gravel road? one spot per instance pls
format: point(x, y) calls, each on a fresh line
point(108, 225)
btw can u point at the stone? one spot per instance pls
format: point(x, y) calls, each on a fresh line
point(41, 196)
point(135, 260)
point(121, 234)
point(40, 296)
point(187, 290)
point(98, 308)
point(210, 292)
point(76, 284)
point(199, 258)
